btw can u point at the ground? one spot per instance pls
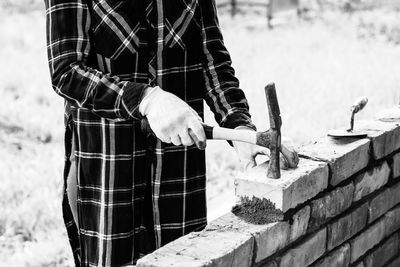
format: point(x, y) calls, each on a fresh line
point(320, 66)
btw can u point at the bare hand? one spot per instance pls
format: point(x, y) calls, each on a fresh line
point(248, 152)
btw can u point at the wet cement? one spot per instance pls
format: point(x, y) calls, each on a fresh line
point(257, 211)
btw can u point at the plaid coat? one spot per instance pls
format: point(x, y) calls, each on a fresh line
point(135, 193)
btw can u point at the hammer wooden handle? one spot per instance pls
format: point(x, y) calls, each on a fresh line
point(219, 133)
point(247, 136)
point(216, 133)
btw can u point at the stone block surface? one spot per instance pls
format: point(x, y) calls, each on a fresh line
point(392, 218)
point(307, 252)
point(300, 223)
point(360, 264)
point(268, 238)
point(327, 231)
point(347, 226)
point(345, 156)
point(375, 233)
point(383, 202)
point(394, 263)
point(339, 257)
point(390, 115)
point(330, 205)
point(383, 253)
point(368, 239)
point(395, 191)
point(384, 136)
point(206, 248)
point(371, 180)
point(396, 165)
point(293, 188)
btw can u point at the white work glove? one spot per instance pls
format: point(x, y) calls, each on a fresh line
point(171, 119)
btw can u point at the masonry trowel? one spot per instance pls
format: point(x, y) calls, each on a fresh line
point(351, 132)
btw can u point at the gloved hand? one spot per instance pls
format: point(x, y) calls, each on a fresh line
point(247, 152)
point(171, 119)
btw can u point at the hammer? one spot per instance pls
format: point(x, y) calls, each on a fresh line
point(270, 139)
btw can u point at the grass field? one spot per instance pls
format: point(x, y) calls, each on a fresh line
point(319, 67)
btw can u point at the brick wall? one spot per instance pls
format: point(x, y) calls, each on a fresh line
point(341, 205)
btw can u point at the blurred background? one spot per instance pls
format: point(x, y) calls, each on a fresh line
point(322, 55)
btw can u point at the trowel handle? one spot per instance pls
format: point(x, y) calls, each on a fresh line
point(359, 104)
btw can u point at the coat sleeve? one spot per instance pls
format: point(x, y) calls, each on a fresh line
point(223, 95)
point(68, 48)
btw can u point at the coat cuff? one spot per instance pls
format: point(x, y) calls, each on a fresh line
point(238, 119)
point(131, 97)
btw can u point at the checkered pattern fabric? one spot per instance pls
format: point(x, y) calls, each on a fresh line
point(135, 193)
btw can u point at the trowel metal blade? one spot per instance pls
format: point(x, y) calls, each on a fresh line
point(343, 133)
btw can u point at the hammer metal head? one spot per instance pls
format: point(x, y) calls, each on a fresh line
point(275, 125)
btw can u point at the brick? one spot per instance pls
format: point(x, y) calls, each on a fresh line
point(398, 233)
point(373, 235)
point(269, 238)
point(330, 205)
point(371, 180)
point(383, 202)
point(307, 252)
point(383, 253)
point(344, 156)
point(394, 263)
point(163, 259)
point(368, 239)
point(390, 114)
point(384, 136)
point(206, 248)
point(396, 166)
point(300, 223)
point(293, 188)
point(392, 218)
point(396, 193)
point(340, 257)
point(380, 204)
point(347, 226)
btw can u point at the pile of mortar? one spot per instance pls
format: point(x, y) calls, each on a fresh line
point(257, 211)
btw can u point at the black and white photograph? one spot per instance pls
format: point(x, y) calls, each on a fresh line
point(199, 133)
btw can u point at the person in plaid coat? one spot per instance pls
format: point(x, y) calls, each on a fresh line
point(116, 62)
